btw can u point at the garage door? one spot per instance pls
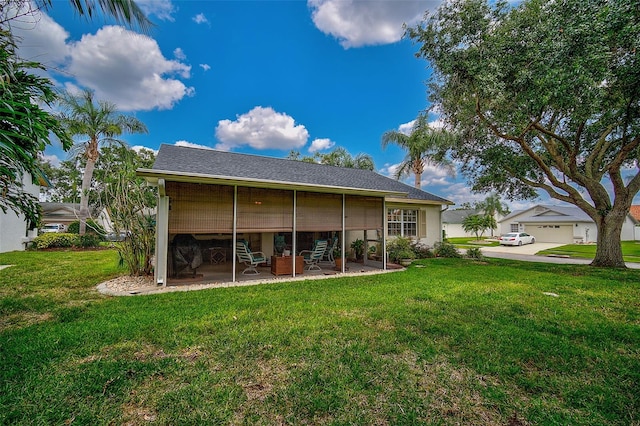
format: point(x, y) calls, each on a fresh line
point(551, 233)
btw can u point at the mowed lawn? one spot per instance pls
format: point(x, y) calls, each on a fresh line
point(630, 251)
point(447, 342)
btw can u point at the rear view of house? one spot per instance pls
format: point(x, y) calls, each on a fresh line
point(215, 199)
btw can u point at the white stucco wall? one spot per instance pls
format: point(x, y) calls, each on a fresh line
point(13, 227)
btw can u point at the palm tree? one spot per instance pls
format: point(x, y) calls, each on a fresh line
point(424, 145)
point(492, 205)
point(102, 124)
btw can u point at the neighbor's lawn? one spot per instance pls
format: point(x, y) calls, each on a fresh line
point(453, 342)
point(464, 243)
point(630, 251)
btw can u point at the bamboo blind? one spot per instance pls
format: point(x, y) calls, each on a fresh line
point(265, 210)
point(319, 212)
point(199, 208)
point(363, 213)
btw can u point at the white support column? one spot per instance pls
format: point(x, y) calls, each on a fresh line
point(235, 233)
point(162, 238)
point(385, 232)
point(344, 235)
point(294, 237)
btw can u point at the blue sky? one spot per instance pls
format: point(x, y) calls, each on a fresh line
point(260, 77)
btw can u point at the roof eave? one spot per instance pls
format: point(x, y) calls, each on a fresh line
point(152, 176)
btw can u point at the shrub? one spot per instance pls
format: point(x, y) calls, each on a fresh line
point(445, 249)
point(55, 240)
point(88, 240)
point(422, 251)
point(399, 248)
point(92, 227)
point(474, 253)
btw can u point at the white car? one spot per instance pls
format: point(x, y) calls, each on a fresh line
point(53, 227)
point(516, 239)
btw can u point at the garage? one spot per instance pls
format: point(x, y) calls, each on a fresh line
point(551, 233)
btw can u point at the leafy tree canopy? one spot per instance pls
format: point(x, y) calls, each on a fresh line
point(544, 96)
point(338, 157)
point(25, 125)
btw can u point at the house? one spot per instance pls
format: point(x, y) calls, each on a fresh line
point(218, 198)
point(67, 213)
point(452, 222)
point(559, 224)
point(14, 229)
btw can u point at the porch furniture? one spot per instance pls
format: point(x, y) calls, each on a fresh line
point(217, 255)
point(282, 265)
point(312, 257)
point(249, 258)
point(328, 253)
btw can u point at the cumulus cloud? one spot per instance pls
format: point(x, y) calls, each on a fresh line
point(51, 159)
point(205, 67)
point(191, 145)
point(200, 19)
point(179, 54)
point(162, 9)
point(321, 144)
point(261, 128)
point(128, 69)
point(406, 128)
point(39, 37)
point(360, 23)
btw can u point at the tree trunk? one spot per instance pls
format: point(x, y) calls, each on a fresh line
point(84, 195)
point(609, 249)
point(418, 182)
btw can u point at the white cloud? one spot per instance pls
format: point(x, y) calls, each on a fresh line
point(52, 159)
point(200, 19)
point(261, 128)
point(205, 67)
point(360, 23)
point(40, 38)
point(163, 9)
point(321, 144)
point(406, 128)
point(191, 145)
point(128, 69)
point(179, 54)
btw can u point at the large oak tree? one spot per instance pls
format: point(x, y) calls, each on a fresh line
point(546, 96)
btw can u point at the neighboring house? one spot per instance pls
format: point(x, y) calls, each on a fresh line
point(222, 197)
point(14, 231)
point(559, 224)
point(452, 222)
point(66, 213)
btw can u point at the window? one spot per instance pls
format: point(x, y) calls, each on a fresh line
point(514, 227)
point(402, 222)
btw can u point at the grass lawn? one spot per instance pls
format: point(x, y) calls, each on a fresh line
point(449, 341)
point(630, 251)
point(463, 243)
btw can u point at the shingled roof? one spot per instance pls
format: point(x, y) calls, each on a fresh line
point(186, 161)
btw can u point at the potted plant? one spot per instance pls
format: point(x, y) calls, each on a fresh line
point(337, 257)
point(405, 257)
point(358, 249)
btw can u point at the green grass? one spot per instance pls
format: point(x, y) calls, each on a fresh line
point(449, 341)
point(630, 251)
point(464, 243)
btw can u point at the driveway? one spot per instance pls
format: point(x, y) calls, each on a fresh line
point(525, 249)
point(527, 253)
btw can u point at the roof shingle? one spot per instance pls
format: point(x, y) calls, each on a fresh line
point(187, 160)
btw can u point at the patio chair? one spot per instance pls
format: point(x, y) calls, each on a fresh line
point(328, 253)
point(249, 258)
point(312, 257)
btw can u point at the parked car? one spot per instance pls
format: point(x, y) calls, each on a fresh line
point(118, 236)
point(516, 239)
point(53, 227)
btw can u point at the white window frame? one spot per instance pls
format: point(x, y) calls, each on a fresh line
point(515, 227)
point(402, 222)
